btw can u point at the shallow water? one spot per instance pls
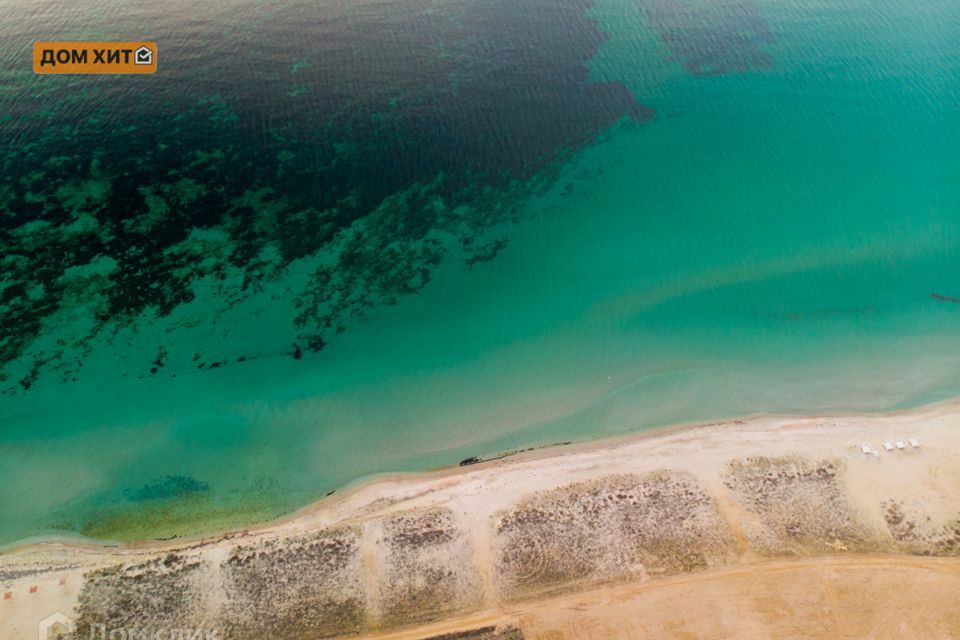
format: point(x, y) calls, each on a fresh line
point(498, 225)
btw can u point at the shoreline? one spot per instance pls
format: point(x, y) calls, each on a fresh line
point(332, 500)
point(635, 514)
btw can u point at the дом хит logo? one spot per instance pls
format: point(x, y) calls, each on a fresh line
point(95, 57)
point(56, 626)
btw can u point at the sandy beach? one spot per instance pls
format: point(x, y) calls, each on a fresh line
point(769, 526)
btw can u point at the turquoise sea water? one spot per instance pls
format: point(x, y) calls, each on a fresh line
point(765, 235)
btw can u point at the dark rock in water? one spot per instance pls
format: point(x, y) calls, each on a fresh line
point(316, 343)
point(161, 356)
point(297, 352)
point(468, 461)
point(383, 189)
point(166, 487)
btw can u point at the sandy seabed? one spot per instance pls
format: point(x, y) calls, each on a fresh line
point(766, 527)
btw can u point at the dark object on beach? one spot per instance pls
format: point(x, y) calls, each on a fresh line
point(942, 298)
point(468, 461)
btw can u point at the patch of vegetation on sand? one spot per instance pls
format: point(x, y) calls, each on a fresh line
point(914, 532)
point(797, 502)
point(613, 528)
point(428, 568)
point(303, 587)
point(164, 593)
